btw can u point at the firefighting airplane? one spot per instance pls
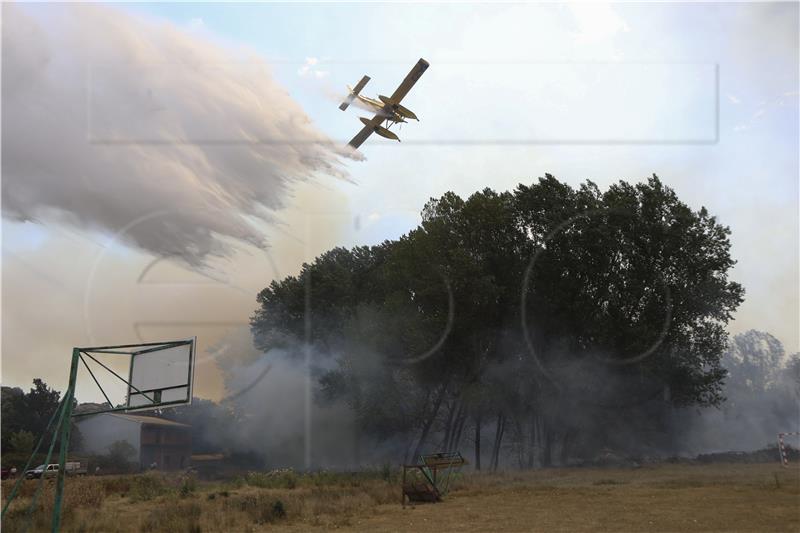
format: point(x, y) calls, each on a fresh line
point(387, 109)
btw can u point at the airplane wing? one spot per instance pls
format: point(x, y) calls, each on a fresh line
point(365, 132)
point(401, 91)
point(360, 137)
point(409, 81)
point(354, 92)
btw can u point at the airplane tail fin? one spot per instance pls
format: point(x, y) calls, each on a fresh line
point(353, 93)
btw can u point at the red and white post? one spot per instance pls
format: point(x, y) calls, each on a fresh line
point(782, 450)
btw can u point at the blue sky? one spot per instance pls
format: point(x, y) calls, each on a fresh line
point(548, 72)
point(704, 95)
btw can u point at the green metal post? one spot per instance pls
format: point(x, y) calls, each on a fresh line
point(66, 426)
point(15, 490)
point(40, 483)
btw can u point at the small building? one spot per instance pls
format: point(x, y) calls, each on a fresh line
point(158, 441)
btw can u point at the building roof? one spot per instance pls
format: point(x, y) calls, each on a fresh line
point(151, 420)
point(207, 457)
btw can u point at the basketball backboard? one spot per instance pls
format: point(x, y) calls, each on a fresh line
point(139, 377)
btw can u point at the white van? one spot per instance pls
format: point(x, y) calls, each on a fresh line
point(72, 468)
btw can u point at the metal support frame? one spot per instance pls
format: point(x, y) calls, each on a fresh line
point(429, 466)
point(66, 429)
point(147, 348)
point(62, 417)
point(15, 490)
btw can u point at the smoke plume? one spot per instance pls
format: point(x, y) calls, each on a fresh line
point(762, 393)
point(129, 126)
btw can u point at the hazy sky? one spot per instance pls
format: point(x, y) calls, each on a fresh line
point(704, 95)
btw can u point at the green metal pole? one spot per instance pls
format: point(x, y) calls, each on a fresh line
point(40, 483)
point(14, 491)
point(66, 426)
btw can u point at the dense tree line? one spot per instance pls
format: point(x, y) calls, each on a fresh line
point(556, 319)
point(532, 327)
point(25, 416)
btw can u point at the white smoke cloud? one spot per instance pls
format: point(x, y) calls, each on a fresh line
point(310, 68)
point(274, 393)
point(115, 123)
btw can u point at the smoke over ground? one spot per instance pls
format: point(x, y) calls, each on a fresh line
point(275, 410)
point(762, 393)
point(115, 123)
point(274, 393)
point(275, 415)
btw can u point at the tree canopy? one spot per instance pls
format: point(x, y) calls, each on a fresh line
point(25, 417)
point(543, 310)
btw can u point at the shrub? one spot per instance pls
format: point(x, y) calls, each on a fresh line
point(174, 518)
point(147, 486)
point(22, 441)
point(119, 459)
point(237, 482)
point(116, 484)
point(278, 511)
point(188, 486)
point(386, 472)
point(285, 478)
point(259, 508)
point(609, 482)
point(84, 493)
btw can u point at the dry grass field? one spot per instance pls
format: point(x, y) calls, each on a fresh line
point(665, 497)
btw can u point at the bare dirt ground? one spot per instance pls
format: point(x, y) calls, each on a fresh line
point(662, 498)
point(755, 498)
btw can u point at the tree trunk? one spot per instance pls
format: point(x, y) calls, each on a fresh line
point(547, 451)
point(429, 422)
point(498, 439)
point(522, 441)
point(532, 441)
point(357, 448)
point(477, 442)
point(449, 427)
point(568, 435)
point(408, 449)
point(459, 430)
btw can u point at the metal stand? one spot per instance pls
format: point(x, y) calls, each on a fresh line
point(61, 421)
point(66, 430)
point(421, 482)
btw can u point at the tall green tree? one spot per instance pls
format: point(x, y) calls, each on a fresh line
point(550, 310)
point(22, 441)
point(13, 413)
point(39, 405)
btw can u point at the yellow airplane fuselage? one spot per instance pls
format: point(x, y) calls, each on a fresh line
point(379, 107)
point(387, 108)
